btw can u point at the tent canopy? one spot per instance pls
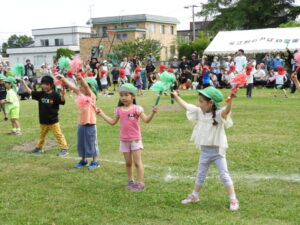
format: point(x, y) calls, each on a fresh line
point(255, 41)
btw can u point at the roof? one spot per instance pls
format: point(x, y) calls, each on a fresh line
point(255, 41)
point(133, 18)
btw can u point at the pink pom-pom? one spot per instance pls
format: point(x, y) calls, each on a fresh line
point(57, 82)
point(297, 58)
point(83, 100)
point(76, 64)
point(240, 79)
point(87, 67)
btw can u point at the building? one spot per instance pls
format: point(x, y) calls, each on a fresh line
point(187, 35)
point(111, 31)
point(46, 42)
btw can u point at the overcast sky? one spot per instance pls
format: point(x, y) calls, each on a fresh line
point(21, 16)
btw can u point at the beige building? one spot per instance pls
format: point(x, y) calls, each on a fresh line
point(111, 31)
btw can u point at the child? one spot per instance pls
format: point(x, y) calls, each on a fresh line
point(2, 95)
point(209, 136)
point(130, 133)
point(115, 76)
point(12, 105)
point(143, 75)
point(122, 77)
point(22, 91)
point(49, 101)
point(280, 76)
point(87, 143)
point(138, 81)
point(249, 74)
point(104, 83)
point(151, 79)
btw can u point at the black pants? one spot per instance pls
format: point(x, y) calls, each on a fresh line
point(249, 90)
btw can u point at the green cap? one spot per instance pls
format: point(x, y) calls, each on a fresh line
point(93, 83)
point(214, 94)
point(10, 80)
point(2, 77)
point(128, 88)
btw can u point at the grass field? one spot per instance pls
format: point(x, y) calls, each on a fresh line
point(263, 158)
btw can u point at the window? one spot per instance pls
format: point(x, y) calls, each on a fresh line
point(116, 27)
point(132, 25)
point(124, 36)
point(152, 28)
point(162, 29)
point(171, 29)
point(142, 36)
point(59, 42)
point(102, 31)
point(172, 50)
point(44, 42)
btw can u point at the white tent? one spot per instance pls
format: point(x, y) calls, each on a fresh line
point(255, 41)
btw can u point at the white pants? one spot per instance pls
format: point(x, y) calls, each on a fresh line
point(208, 155)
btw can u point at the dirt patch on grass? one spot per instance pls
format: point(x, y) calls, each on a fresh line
point(27, 146)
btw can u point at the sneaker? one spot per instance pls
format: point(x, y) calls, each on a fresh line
point(81, 164)
point(93, 165)
point(138, 187)
point(63, 152)
point(189, 199)
point(11, 133)
point(5, 119)
point(36, 150)
point(234, 205)
point(18, 132)
point(130, 185)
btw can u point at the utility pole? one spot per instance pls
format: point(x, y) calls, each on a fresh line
point(193, 11)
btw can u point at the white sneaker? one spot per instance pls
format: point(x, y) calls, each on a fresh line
point(189, 199)
point(234, 205)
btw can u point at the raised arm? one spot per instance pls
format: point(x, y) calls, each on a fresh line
point(180, 101)
point(227, 110)
point(84, 84)
point(109, 120)
point(26, 87)
point(146, 118)
point(296, 81)
point(70, 85)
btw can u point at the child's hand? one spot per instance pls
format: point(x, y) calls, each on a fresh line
point(294, 76)
point(59, 77)
point(155, 109)
point(79, 77)
point(99, 111)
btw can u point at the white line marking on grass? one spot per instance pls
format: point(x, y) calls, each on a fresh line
point(170, 176)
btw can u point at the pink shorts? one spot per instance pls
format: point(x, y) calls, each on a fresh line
point(127, 146)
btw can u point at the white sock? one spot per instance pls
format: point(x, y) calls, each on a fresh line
point(232, 196)
point(195, 193)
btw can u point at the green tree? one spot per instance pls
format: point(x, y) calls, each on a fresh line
point(139, 47)
point(15, 41)
point(64, 52)
point(248, 14)
point(290, 24)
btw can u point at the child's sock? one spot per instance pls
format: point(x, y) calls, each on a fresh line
point(195, 193)
point(14, 129)
point(232, 196)
point(18, 129)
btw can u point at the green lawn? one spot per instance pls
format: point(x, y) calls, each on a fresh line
point(263, 158)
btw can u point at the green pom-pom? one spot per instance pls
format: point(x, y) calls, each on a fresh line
point(64, 63)
point(159, 87)
point(109, 65)
point(18, 70)
point(101, 47)
point(167, 78)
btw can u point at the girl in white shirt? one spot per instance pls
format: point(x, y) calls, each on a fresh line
point(209, 136)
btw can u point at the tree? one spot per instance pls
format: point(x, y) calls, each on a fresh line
point(139, 47)
point(290, 24)
point(200, 44)
point(64, 52)
point(16, 41)
point(248, 14)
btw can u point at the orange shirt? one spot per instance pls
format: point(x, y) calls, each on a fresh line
point(87, 114)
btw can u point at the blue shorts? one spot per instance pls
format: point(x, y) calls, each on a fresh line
point(87, 142)
point(139, 86)
point(104, 86)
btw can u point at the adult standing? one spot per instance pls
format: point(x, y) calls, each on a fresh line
point(127, 68)
point(184, 64)
point(94, 65)
point(277, 62)
point(193, 63)
point(240, 61)
point(29, 72)
point(150, 68)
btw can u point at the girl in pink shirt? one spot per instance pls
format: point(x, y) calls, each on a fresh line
point(87, 142)
point(130, 133)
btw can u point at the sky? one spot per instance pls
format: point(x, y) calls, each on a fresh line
point(21, 16)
